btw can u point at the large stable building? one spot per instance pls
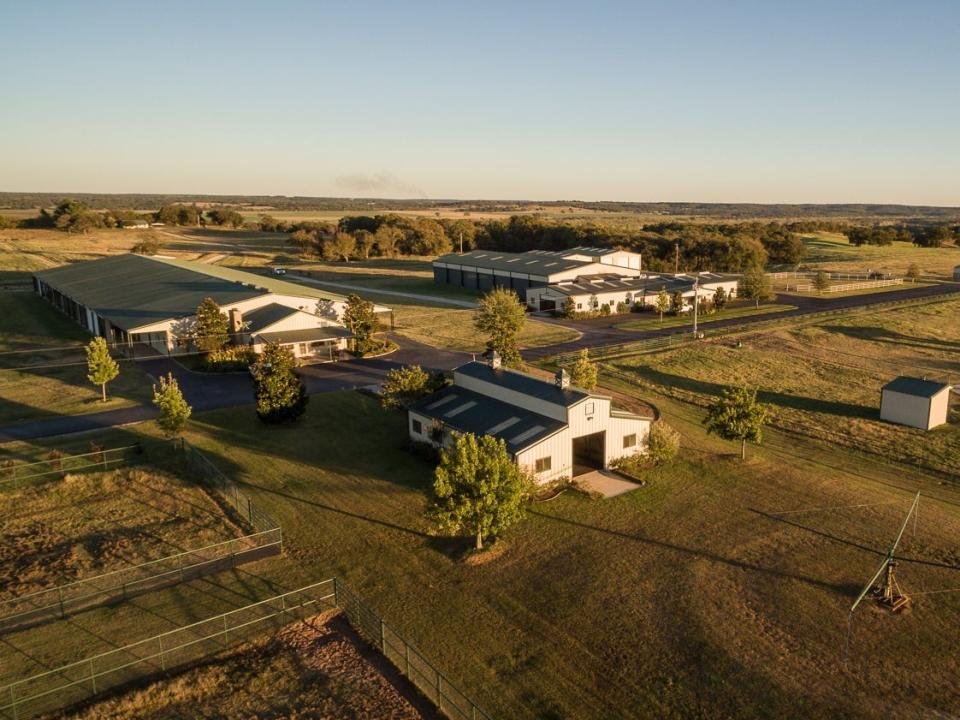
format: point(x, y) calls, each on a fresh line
point(552, 429)
point(151, 301)
point(585, 276)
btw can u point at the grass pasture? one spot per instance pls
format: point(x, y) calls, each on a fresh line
point(651, 320)
point(690, 597)
point(43, 369)
point(90, 523)
point(823, 379)
point(832, 251)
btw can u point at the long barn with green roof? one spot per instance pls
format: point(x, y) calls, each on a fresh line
point(151, 301)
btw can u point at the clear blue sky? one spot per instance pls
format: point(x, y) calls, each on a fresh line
point(707, 101)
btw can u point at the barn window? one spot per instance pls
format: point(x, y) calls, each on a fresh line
point(629, 441)
point(418, 427)
point(542, 465)
point(579, 306)
point(589, 408)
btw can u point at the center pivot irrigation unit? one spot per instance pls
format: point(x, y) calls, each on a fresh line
point(883, 586)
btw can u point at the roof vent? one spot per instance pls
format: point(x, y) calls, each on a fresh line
point(495, 362)
point(562, 379)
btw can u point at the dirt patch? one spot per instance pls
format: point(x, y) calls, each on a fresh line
point(314, 669)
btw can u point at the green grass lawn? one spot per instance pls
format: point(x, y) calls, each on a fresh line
point(832, 251)
point(824, 379)
point(31, 384)
point(685, 598)
point(651, 320)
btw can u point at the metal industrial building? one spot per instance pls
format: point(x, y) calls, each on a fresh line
point(552, 430)
point(485, 269)
point(915, 402)
point(151, 301)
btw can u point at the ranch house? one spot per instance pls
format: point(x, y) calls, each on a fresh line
point(552, 429)
point(148, 303)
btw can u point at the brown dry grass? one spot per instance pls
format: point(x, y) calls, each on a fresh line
point(91, 523)
point(312, 669)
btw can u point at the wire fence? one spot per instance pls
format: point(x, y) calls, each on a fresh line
point(69, 598)
point(81, 681)
point(685, 335)
point(14, 475)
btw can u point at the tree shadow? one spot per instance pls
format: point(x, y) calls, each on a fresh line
point(885, 335)
point(772, 397)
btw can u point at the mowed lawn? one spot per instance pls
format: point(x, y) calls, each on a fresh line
point(43, 369)
point(824, 379)
point(832, 251)
point(689, 597)
point(651, 320)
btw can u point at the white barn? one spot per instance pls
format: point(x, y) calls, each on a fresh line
point(553, 430)
point(915, 402)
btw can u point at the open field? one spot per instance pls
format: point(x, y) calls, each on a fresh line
point(90, 523)
point(651, 320)
point(689, 597)
point(47, 381)
point(823, 379)
point(318, 668)
point(831, 251)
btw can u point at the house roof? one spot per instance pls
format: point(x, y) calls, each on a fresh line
point(136, 290)
point(471, 412)
point(522, 383)
point(328, 332)
point(263, 317)
point(532, 263)
point(608, 283)
point(915, 386)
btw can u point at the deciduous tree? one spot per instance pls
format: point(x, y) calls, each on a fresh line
point(736, 415)
point(501, 317)
point(583, 374)
point(720, 299)
point(101, 367)
point(404, 386)
point(360, 318)
point(821, 281)
point(211, 330)
point(174, 410)
point(663, 303)
point(280, 394)
point(479, 490)
point(755, 285)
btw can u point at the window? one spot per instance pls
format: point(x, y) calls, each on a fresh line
point(629, 441)
point(579, 306)
point(418, 427)
point(542, 465)
point(589, 408)
point(303, 349)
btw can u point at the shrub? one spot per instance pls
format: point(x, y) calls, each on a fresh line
point(622, 307)
point(228, 359)
point(663, 444)
point(605, 309)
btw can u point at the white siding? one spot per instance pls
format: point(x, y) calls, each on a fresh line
point(939, 407)
point(905, 409)
point(559, 448)
point(583, 421)
point(617, 428)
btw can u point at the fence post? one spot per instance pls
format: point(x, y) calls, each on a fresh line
point(224, 630)
point(163, 659)
point(439, 691)
point(383, 642)
point(406, 658)
point(336, 594)
point(60, 595)
point(93, 678)
point(13, 702)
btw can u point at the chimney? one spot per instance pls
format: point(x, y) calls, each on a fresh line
point(495, 361)
point(562, 379)
point(236, 321)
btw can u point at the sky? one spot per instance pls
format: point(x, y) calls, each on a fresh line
point(636, 101)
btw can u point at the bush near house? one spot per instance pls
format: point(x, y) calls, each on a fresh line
point(230, 359)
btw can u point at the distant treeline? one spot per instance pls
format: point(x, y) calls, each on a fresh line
point(919, 235)
point(23, 201)
point(71, 215)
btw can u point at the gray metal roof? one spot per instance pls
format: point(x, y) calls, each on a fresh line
point(470, 412)
point(607, 283)
point(264, 317)
point(532, 263)
point(523, 383)
point(329, 332)
point(915, 386)
point(133, 290)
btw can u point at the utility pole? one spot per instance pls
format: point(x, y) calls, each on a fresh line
point(696, 303)
point(461, 242)
point(676, 257)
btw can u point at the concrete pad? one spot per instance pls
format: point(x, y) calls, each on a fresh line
point(606, 482)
